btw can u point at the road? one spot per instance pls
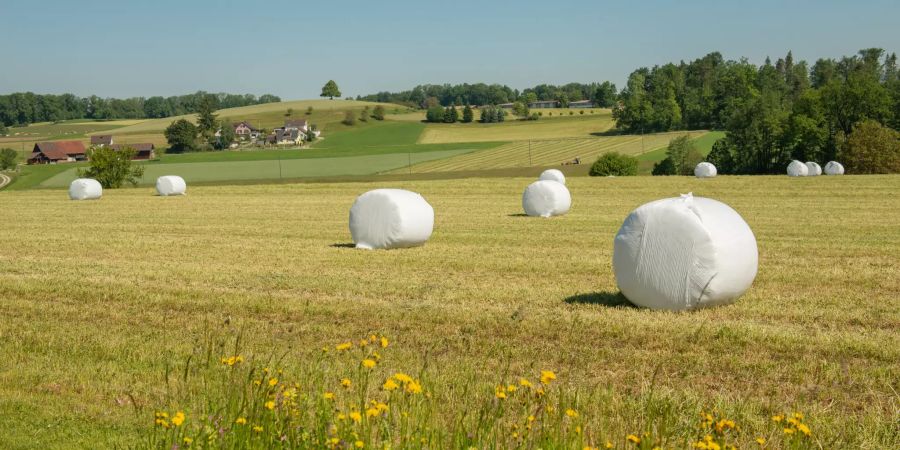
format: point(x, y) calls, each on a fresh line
point(4, 180)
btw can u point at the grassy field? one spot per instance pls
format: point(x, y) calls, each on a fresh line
point(518, 130)
point(109, 306)
point(546, 113)
point(550, 152)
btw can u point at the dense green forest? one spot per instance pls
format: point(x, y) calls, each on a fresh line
point(429, 95)
point(22, 108)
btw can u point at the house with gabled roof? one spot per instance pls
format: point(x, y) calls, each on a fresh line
point(101, 140)
point(57, 152)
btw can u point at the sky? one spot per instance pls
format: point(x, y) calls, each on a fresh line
point(124, 48)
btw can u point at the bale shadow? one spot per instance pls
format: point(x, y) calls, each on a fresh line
point(517, 215)
point(343, 245)
point(608, 299)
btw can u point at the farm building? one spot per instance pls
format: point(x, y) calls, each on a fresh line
point(505, 105)
point(544, 104)
point(57, 152)
point(101, 140)
point(296, 124)
point(245, 130)
point(581, 104)
point(143, 151)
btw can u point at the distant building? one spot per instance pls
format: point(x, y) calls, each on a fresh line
point(544, 104)
point(582, 104)
point(289, 136)
point(296, 124)
point(143, 151)
point(101, 140)
point(244, 130)
point(57, 152)
point(505, 105)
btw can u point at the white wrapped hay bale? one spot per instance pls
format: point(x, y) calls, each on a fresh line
point(85, 189)
point(705, 170)
point(813, 169)
point(553, 175)
point(170, 185)
point(546, 198)
point(684, 253)
point(834, 168)
point(390, 218)
point(797, 169)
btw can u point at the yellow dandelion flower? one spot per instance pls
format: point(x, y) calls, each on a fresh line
point(270, 405)
point(608, 444)
point(359, 444)
point(524, 383)
point(798, 415)
point(376, 356)
point(413, 387)
point(188, 440)
point(345, 382)
point(355, 416)
point(372, 412)
point(633, 439)
point(381, 407)
point(257, 382)
point(578, 429)
point(777, 418)
point(547, 376)
point(531, 418)
point(803, 429)
point(511, 388)
point(789, 431)
point(368, 363)
point(500, 392)
point(539, 392)
point(273, 381)
point(328, 395)
point(403, 378)
point(384, 342)
point(390, 385)
point(334, 441)
point(343, 346)
point(341, 416)
point(257, 428)
point(240, 421)
point(761, 441)
point(572, 413)
point(363, 342)
point(178, 419)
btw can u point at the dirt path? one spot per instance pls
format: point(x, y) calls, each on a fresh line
point(4, 180)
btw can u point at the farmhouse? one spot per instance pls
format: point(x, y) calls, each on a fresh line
point(287, 136)
point(143, 151)
point(57, 152)
point(544, 104)
point(582, 104)
point(101, 140)
point(244, 130)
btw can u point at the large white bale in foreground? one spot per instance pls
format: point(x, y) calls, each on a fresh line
point(85, 189)
point(684, 253)
point(553, 175)
point(813, 169)
point(797, 169)
point(705, 170)
point(834, 168)
point(390, 218)
point(170, 185)
point(546, 198)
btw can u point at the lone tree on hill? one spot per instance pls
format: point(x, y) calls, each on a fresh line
point(330, 90)
point(112, 168)
point(182, 136)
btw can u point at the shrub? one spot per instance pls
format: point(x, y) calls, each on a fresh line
point(309, 110)
point(581, 112)
point(112, 168)
point(534, 116)
point(614, 163)
point(434, 114)
point(364, 114)
point(181, 136)
point(571, 113)
point(378, 113)
point(664, 167)
point(349, 118)
point(870, 148)
point(7, 159)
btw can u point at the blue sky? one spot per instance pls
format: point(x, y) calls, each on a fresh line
point(290, 48)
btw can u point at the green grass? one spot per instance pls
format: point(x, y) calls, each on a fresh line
point(516, 130)
point(704, 143)
point(103, 299)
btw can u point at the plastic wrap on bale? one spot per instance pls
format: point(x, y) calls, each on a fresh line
point(684, 253)
point(553, 175)
point(813, 169)
point(390, 218)
point(546, 199)
point(834, 168)
point(705, 170)
point(797, 169)
point(85, 189)
point(170, 185)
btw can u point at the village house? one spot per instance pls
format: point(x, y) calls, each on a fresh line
point(57, 152)
point(544, 104)
point(582, 104)
point(294, 132)
point(101, 140)
point(244, 130)
point(143, 151)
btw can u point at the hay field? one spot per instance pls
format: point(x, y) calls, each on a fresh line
point(104, 301)
point(552, 152)
point(517, 130)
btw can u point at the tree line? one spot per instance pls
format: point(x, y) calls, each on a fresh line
point(23, 108)
point(429, 95)
point(771, 113)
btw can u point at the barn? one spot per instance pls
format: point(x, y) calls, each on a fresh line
point(57, 152)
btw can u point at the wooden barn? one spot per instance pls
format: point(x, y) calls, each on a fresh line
point(57, 152)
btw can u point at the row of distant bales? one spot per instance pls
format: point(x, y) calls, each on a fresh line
point(794, 169)
point(676, 231)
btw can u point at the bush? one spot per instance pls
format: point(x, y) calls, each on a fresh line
point(534, 116)
point(434, 114)
point(870, 148)
point(664, 167)
point(614, 163)
point(112, 168)
point(581, 112)
point(349, 118)
point(8, 159)
point(181, 136)
point(378, 113)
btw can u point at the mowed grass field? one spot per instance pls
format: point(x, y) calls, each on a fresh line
point(553, 152)
point(105, 301)
point(517, 130)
